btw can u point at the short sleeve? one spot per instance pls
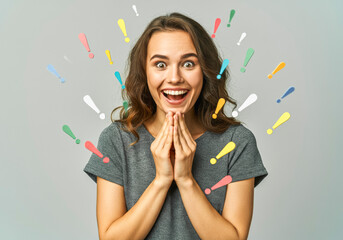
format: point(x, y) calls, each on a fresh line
point(245, 159)
point(109, 144)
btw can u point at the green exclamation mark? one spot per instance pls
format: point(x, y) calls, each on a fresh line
point(250, 52)
point(67, 130)
point(126, 105)
point(232, 13)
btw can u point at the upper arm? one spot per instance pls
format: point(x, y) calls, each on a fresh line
point(110, 204)
point(238, 205)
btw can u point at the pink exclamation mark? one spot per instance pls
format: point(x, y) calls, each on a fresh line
point(216, 25)
point(225, 180)
point(93, 149)
point(83, 39)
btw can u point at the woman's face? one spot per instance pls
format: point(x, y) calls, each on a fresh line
point(174, 75)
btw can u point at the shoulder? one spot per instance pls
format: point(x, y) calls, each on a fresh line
point(235, 133)
point(112, 132)
point(241, 133)
point(117, 131)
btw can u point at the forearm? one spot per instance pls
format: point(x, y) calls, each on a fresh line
point(207, 222)
point(138, 221)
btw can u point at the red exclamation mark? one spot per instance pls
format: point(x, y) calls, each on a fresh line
point(216, 25)
point(93, 149)
point(225, 180)
point(83, 39)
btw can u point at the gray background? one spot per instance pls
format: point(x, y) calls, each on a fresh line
point(44, 192)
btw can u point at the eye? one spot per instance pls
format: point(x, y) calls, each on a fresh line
point(188, 64)
point(160, 65)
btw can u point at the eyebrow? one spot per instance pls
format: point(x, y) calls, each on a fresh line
point(182, 57)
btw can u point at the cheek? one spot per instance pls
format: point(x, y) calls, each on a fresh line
point(195, 79)
point(155, 79)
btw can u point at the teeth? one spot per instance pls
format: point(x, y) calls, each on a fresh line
point(170, 92)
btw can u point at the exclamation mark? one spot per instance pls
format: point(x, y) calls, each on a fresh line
point(289, 91)
point(52, 69)
point(249, 54)
point(241, 39)
point(278, 68)
point(284, 117)
point(228, 148)
point(126, 105)
point(216, 25)
point(108, 54)
point(220, 104)
point(224, 65)
point(117, 74)
point(135, 9)
point(67, 130)
point(225, 180)
point(232, 13)
point(94, 150)
point(250, 100)
point(83, 39)
point(87, 99)
point(121, 24)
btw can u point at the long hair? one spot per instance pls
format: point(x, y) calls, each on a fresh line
point(141, 105)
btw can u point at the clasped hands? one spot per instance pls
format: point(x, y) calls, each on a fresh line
point(173, 150)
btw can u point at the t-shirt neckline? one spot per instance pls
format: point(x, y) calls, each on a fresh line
point(196, 140)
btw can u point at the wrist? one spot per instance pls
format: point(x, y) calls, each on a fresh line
point(163, 182)
point(185, 182)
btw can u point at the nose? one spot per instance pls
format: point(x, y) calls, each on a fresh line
point(174, 75)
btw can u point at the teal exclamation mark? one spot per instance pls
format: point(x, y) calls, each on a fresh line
point(250, 52)
point(232, 13)
point(224, 65)
point(117, 74)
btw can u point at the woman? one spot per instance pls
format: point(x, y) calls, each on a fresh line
point(160, 150)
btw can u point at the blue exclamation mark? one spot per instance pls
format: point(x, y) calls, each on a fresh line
point(289, 91)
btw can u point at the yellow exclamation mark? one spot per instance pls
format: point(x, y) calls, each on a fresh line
point(121, 24)
point(284, 117)
point(228, 148)
point(108, 54)
point(220, 104)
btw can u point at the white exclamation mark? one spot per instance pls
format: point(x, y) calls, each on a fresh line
point(135, 9)
point(90, 103)
point(250, 100)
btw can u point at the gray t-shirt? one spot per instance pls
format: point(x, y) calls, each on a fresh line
point(133, 168)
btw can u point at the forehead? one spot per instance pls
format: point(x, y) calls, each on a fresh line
point(170, 43)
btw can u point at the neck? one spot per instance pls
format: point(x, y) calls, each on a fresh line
point(155, 123)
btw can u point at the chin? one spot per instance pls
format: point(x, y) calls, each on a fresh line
point(174, 110)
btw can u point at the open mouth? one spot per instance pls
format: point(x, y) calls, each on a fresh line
point(175, 95)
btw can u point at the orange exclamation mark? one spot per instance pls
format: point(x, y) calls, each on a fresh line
point(220, 104)
point(225, 180)
point(83, 39)
point(278, 68)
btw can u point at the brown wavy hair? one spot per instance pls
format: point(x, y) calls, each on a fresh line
point(141, 105)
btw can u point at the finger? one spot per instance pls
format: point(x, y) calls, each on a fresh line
point(160, 133)
point(176, 139)
point(165, 134)
point(183, 141)
point(184, 129)
point(169, 139)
